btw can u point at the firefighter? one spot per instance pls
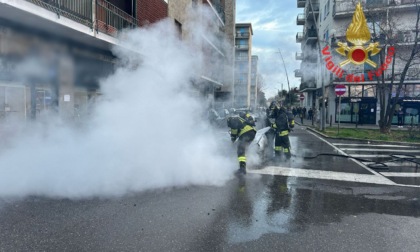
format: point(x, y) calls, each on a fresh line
point(284, 123)
point(242, 127)
point(271, 114)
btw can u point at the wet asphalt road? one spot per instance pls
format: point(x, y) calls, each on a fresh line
point(258, 212)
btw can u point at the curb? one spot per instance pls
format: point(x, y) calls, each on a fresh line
point(358, 139)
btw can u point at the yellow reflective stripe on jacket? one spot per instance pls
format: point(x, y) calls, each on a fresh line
point(234, 131)
point(242, 159)
point(292, 122)
point(246, 129)
point(284, 133)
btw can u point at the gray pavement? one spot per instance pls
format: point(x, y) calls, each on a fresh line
point(324, 203)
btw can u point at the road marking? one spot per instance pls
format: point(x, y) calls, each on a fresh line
point(374, 145)
point(401, 174)
point(320, 174)
point(393, 164)
point(376, 156)
point(381, 150)
point(345, 154)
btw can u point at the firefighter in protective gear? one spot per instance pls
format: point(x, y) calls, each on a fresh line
point(242, 127)
point(271, 114)
point(284, 123)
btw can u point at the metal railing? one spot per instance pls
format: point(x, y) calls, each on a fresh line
point(109, 18)
point(242, 34)
point(76, 10)
point(348, 7)
point(242, 46)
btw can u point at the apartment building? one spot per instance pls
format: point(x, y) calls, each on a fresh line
point(53, 52)
point(390, 24)
point(243, 49)
point(215, 80)
point(254, 82)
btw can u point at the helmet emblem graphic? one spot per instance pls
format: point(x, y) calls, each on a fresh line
point(358, 34)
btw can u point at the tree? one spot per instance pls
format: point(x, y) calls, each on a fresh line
point(389, 34)
point(262, 101)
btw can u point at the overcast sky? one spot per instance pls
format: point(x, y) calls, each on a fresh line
point(274, 26)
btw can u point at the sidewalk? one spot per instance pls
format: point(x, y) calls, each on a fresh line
point(314, 124)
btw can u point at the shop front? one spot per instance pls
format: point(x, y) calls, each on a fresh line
point(410, 107)
point(358, 110)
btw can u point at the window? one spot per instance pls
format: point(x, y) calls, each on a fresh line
point(356, 90)
point(327, 9)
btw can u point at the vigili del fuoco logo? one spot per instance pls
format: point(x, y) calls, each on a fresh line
point(358, 35)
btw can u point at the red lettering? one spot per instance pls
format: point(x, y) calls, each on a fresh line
point(340, 75)
point(325, 50)
point(349, 78)
point(330, 65)
point(370, 75)
point(388, 59)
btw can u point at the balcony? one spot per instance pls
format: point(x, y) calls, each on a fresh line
point(307, 84)
point(299, 56)
point(217, 8)
point(300, 19)
point(242, 47)
point(298, 73)
point(242, 34)
point(299, 37)
point(346, 8)
point(310, 36)
point(109, 18)
point(310, 12)
point(310, 56)
point(301, 3)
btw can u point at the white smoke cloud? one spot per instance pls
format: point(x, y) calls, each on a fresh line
point(147, 132)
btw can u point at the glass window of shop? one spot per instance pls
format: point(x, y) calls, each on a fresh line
point(356, 90)
point(344, 112)
point(369, 91)
point(416, 90)
point(12, 103)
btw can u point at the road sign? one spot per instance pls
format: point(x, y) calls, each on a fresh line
point(302, 97)
point(340, 89)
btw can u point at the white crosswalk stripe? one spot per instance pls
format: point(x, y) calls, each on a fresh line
point(399, 161)
point(320, 174)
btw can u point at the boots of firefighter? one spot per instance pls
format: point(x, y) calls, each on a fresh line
point(277, 157)
point(287, 153)
point(242, 167)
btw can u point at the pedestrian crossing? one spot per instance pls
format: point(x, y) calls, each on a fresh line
point(396, 162)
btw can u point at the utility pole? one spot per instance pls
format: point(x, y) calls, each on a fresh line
point(287, 77)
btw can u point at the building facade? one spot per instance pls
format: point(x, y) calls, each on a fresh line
point(390, 24)
point(254, 82)
point(54, 52)
point(215, 80)
point(243, 49)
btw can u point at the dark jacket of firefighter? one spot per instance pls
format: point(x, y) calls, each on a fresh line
point(242, 127)
point(284, 123)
